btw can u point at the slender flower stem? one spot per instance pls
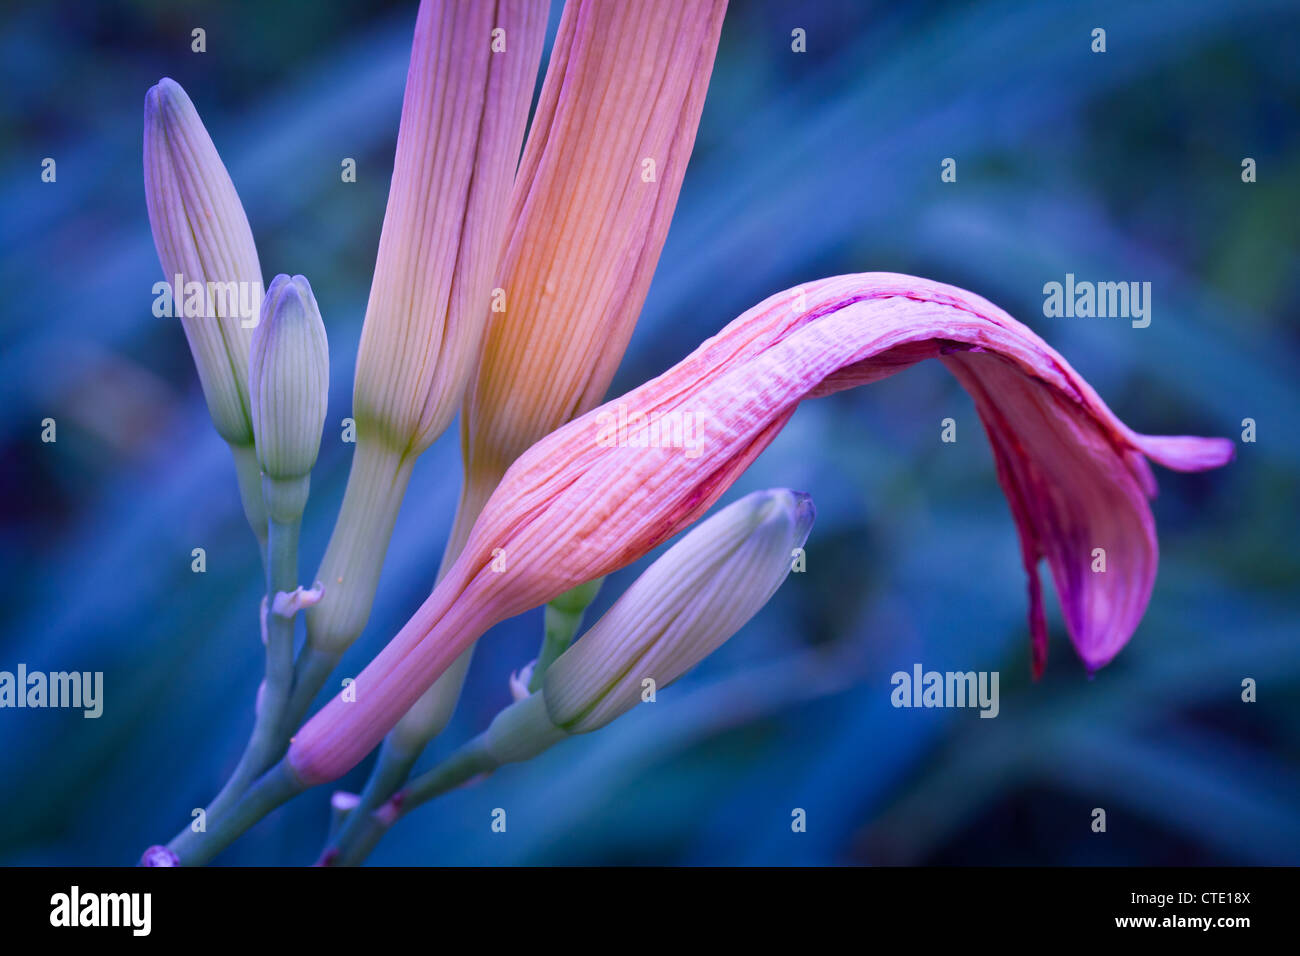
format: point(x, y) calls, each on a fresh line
point(281, 577)
point(561, 626)
point(363, 831)
point(273, 788)
point(354, 558)
point(563, 619)
point(403, 746)
point(269, 739)
point(349, 572)
point(391, 769)
point(463, 765)
point(560, 629)
point(249, 474)
point(364, 826)
point(367, 833)
point(349, 576)
point(310, 672)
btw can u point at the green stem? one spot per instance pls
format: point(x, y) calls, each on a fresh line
point(354, 558)
point(560, 628)
point(371, 819)
point(366, 835)
point(365, 830)
point(563, 618)
point(429, 715)
point(349, 572)
point(249, 475)
point(391, 769)
point(464, 764)
point(281, 578)
point(273, 788)
point(368, 822)
point(268, 740)
point(310, 672)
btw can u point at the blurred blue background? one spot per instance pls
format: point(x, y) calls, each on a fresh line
point(1121, 166)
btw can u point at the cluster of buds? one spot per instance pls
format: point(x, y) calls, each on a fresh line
point(262, 360)
point(572, 233)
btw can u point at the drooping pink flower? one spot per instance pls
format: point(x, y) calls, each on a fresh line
point(582, 503)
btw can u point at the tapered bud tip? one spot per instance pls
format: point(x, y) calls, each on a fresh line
point(165, 100)
point(794, 507)
point(806, 512)
point(289, 379)
point(290, 301)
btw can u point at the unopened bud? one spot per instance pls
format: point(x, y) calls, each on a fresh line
point(289, 385)
point(685, 606)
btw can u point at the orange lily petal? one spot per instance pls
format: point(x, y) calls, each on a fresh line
point(625, 87)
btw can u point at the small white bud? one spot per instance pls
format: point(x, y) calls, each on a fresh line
point(288, 384)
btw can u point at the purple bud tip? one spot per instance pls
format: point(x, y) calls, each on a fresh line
point(805, 512)
point(159, 856)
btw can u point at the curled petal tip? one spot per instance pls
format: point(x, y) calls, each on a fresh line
point(160, 93)
point(1187, 452)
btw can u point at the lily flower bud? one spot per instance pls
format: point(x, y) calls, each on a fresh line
point(289, 388)
point(213, 281)
point(472, 72)
point(684, 607)
point(463, 120)
point(680, 610)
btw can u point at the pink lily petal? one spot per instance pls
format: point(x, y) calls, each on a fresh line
point(573, 508)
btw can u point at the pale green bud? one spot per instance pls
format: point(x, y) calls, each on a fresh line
point(212, 280)
point(685, 606)
point(289, 388)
